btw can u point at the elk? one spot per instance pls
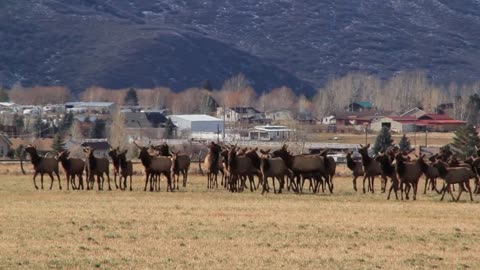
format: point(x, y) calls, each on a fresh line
point(213, 164)
point(371, 167)
point(356, 167)
point(239, 167)
point(302, 165)
point(330, 167)
point(96, 167)
point(126, 170)
point(409, 173)
point(274, 168)
point(113, 153)
point(431, 175)
point(181, 163)
point(454, 175)
point(388, 169)
point(155, 165)
point(41, 165)
point(72, 167)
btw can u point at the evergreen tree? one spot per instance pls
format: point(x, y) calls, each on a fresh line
point(207, 85)
point(464, 141)
point(38, 127)
point(383, 141)
point(169, 129)
point(58, 143)
point(66, 123)
point(4, 95)
point(209, 105)
point(19, 123)
point(98, 130)
point(131, 98)
point(404, 143)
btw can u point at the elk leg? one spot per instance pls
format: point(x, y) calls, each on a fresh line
point(355, 183)
point(364, 178)
point(415, 187)
point(264, 180)
point(469, 190)
point(34, 181)
point(58, 178)
point(461, 187)
point(444, 190)
point(146, 182)
point(426, 184)
point(185, 176)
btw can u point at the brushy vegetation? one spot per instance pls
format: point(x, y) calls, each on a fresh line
point(197, 228)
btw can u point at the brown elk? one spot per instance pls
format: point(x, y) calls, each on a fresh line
point(242, 167)
point(96, 167)
point(313, 165)
point(274, 168)
point(330, 167)
point(388, 169)
point(72, 167)
point(155, 165)
point(454, 175)
point(409, 173)
point(213, 164)
point(41, 165)
point(181, 163)
point(126, 170)
point(113, 153)
point(356, 166)
point(372, 168)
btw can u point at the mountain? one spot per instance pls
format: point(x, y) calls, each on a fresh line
point(178, 44)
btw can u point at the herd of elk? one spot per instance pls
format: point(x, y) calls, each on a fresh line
point(237, 165)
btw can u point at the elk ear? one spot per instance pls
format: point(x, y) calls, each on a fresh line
point(85, 150)
point(368, 145)
point(361, 145)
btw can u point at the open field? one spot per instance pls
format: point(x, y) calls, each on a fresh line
point(432, 138)
point(200, 229)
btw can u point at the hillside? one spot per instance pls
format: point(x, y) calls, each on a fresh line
point(178, 44)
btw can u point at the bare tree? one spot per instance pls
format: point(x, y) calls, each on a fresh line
point(117, 132)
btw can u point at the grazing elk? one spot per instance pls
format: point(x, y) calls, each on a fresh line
point(72, 167)
point(155, 166)
point(372, 168)
point(96, 167)
point(213, 165)
point(454, 175)
point(313, 165)
point(113, 153)
point(41, 165)
point(126, 170)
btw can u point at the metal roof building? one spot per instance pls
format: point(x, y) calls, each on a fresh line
point(197, 123)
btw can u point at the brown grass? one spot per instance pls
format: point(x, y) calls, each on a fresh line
point(200, 229)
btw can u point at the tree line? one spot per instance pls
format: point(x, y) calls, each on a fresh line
point(399, 93)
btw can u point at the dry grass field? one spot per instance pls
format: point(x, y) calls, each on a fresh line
point(196, 228)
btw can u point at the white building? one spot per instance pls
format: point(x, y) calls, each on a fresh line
point(270, 133)
point(197, 123)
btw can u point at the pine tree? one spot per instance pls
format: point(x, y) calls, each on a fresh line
point(169, 129)
point(4, 95)
point(58, 143)
point(98, 130)
point(66, 123)
point(206, 85)
point(131, 98)
point(404, 143)
point(464, 141)
point(383, 141)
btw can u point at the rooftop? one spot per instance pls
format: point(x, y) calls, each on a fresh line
point(196, 117)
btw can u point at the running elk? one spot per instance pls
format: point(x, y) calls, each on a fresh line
point(456, 175)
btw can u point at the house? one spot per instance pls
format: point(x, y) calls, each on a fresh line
point(242, 114)
point(90, 107)
point(197, 123)
point(329, 120)
point(359, 106)
point(399, 124)
point(279, 115)
point(144, 124)
point(359, 118)
point(101, 146)
point(270, 133)
point(415, 112)
point(9, 107)
point(427, 121)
